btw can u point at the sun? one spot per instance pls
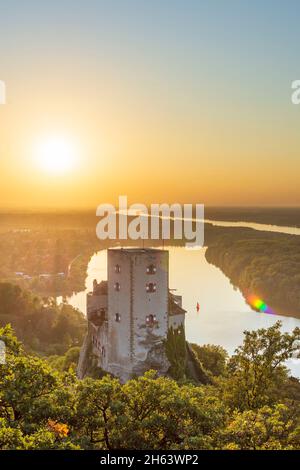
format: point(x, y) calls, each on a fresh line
point(56, 154)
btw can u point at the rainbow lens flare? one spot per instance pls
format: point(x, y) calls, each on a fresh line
point(259, 304)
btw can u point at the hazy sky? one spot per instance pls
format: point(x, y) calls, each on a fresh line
point(163, 100)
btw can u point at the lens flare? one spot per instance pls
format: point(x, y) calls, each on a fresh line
point(258, 304)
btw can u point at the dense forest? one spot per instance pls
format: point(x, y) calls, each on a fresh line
point(251, 402)
point(266, 265)
point(48, 254)
point(43, 326)
point(46, 261)
point(246, 401)
point(70, 220)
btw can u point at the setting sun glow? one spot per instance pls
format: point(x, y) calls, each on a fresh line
point(56, 154)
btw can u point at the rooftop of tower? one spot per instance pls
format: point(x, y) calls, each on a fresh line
point(138, 250)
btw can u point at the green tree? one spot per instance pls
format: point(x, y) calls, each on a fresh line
point(268, 428)
point(43, 326)
point(43, 408)
point(30, 390)
point(212, 357)
point(176, 352)
point(161, 414)
point(99, 406)
point(257, 370)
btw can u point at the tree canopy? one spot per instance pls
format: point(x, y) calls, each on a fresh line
point(42, 325)
point(252, 404)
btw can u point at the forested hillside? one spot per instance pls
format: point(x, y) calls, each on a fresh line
point(42, 325)
point(261, 264)
point(251, 403)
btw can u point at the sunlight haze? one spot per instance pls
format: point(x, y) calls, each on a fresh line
point(168, 101)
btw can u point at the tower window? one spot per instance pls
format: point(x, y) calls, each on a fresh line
point(151, 320)
point(117, 286)
point(118, 317)
point(151, 287)
point(151, 269)
point(117, 269)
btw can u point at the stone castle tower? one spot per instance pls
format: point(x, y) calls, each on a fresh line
point(129, 315)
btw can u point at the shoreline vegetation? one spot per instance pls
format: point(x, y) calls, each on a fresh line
point(210, 400)
point(263, 264)
point(44, 327)
point(72, 219)
point(36, 256)
point(49, 262)
point(281, 216)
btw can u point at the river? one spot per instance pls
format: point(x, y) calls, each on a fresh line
point(223, 314)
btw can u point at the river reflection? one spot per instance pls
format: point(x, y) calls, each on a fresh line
point(223, 315)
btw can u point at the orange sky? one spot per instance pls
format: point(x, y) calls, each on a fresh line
point(159, 118)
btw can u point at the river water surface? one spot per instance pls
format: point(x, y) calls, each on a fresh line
point(224, 314)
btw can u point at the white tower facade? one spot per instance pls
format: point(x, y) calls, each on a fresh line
point(138, 286)
point(130, 314)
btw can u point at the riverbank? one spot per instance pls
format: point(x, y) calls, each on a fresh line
point(223, 315)
point(281, 216)
point(260, 260)
point(261, 264)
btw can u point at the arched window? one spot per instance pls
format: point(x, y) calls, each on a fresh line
point(117, 286)
point(151, 287)
point(118, 317)
point(151, 269)
point(117, 269)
